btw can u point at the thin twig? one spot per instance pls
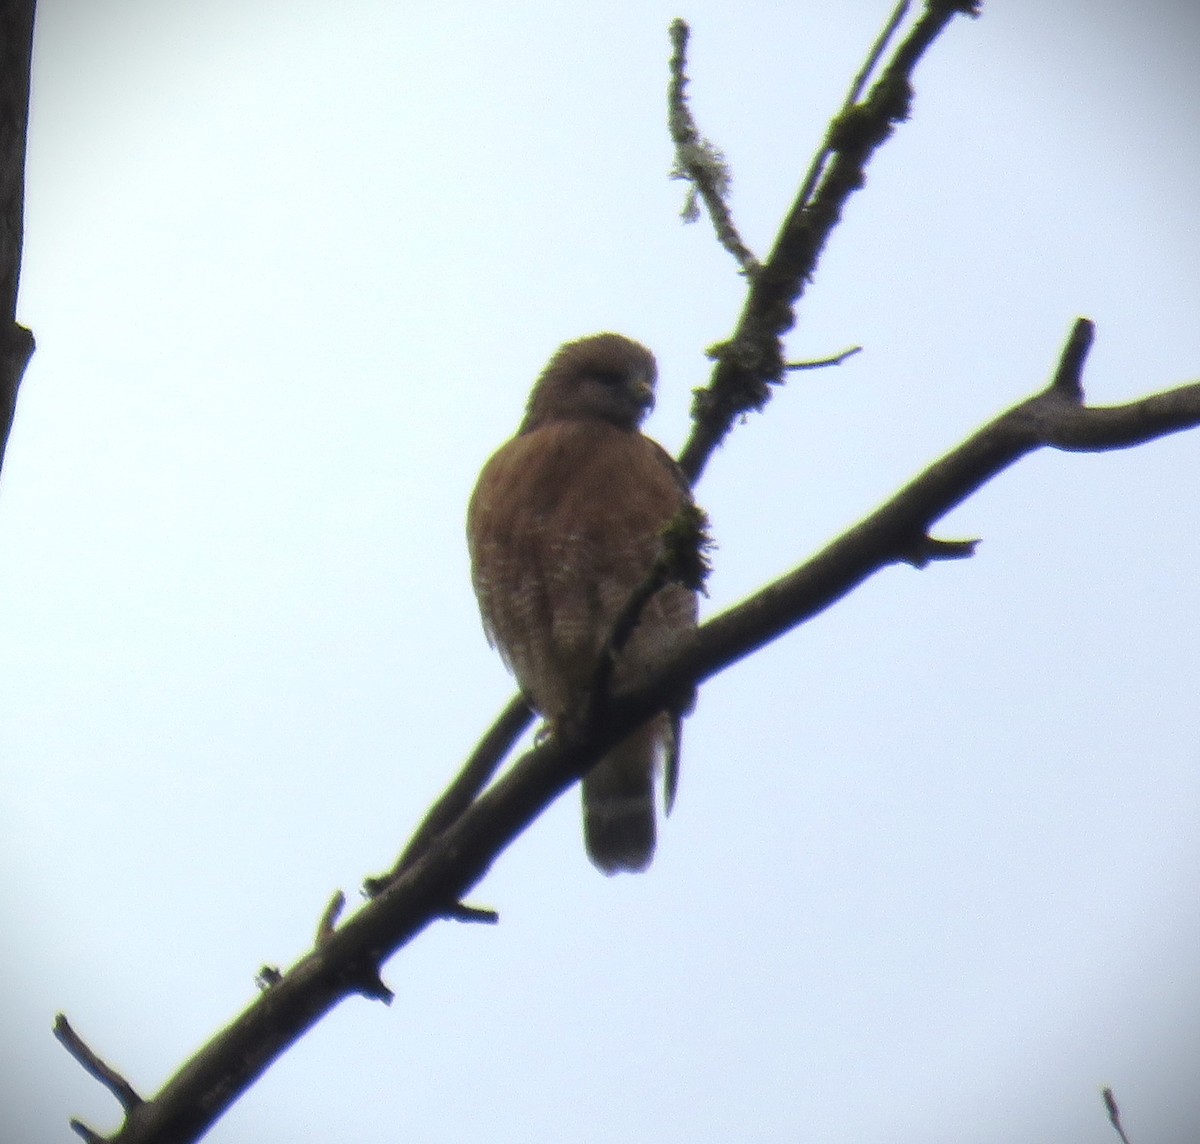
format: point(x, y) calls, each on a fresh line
point(751, 361)
point(821, 363)
point(699, 160)
point(328, 921)
point(460, 855)
point(926, 549)
point(86, 1134)
point(876, 54)
point(94, 1066)
point(856, 88)
point(1068, 377)
point(476, 773)
point(1114, 1114)
point(623, 627)
point(682, 559)
point(459, 912)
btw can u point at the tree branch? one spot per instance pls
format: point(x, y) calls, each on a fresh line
point(482, 764)
point(16, 342)
point(853, 95)
point(822, 363)
point(752, 359)
point(347, 960)
point(734, 387)
point(100, 1070)
point(1114, 1114)
point(699, 160)
point(474, 822)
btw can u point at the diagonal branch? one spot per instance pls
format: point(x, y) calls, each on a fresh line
point(92, 1064)
point(752, 359)
point(347, 960)
point(852, 96)
point(733, 388)
point(467, 830)
point(483, 763)
point(1114, 1114)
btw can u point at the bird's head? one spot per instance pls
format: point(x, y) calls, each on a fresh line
point(604, 377)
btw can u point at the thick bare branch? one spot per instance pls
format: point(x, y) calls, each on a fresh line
point(477, 772)
point(455, 858)
point(717, 406)
point(473, 822)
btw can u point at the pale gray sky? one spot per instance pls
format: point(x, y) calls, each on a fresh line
point(932, 873)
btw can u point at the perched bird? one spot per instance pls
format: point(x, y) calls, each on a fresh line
point(565, 522)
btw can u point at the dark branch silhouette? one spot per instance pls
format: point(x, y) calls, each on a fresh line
point(16, 342)
point(480, 814)
point(346, 960)
point(752, 359)
point(1114, 1114)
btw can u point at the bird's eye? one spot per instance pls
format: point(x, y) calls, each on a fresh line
point(609, 377)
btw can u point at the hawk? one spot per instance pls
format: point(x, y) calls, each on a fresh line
point(565, 522)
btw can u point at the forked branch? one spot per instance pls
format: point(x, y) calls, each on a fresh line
point(347, 960)
point(752, 359)
point(735, 388)
point(480, 815)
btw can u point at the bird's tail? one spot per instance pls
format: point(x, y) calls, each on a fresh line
point(618, 802)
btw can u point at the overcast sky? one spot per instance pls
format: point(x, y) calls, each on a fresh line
point(932, 874)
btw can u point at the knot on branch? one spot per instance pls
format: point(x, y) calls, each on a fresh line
point(864, 126)
point(747, 367)
point(363, 977)
point(682, 559)
point(700, 161)
point(686, 545)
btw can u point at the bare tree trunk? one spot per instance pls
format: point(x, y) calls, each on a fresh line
point(16, 342)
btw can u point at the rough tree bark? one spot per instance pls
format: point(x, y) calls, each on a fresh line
point(477, 818)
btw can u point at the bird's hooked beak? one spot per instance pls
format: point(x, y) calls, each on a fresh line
point(643, 389)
